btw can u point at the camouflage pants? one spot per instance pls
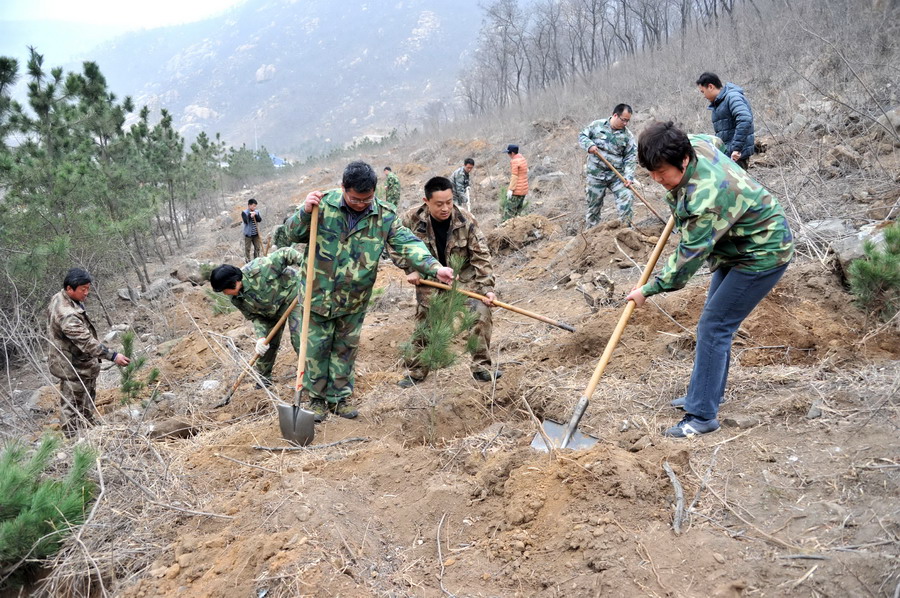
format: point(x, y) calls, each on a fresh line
point(392, 198)
point(77, 403)
point(256, 242)
point(331, 356)
point(514, 206)
point(295, 320)
point(595, 191)
point(481, 358)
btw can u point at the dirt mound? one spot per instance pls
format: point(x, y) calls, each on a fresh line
point(515, 233)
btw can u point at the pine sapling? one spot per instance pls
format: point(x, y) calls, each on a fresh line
point(875, 278)
point(130, 385)
point(37, 511)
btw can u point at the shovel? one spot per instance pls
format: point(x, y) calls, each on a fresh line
point(298, 424)
point(227, 398)
point(568, 436)
point(513, 308)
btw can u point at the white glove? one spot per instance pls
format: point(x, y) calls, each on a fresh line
point(509, 194)
point(261, 347)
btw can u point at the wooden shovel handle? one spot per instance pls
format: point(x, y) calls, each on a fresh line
point(623, 320)
point(307, 298)
point(518, 310)
point(253, 359)
point(633, 190)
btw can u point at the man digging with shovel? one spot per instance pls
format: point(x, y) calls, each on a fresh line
point(354, 228)
point(263, 290)
point(729, 220)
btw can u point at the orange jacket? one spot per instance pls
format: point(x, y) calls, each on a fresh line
point(519, 167)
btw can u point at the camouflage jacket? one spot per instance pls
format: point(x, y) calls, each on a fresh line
point(267, 285)
point(347, 260)
point(617, 146)
point(460, 180)
point(724, 216)
point(75, 351)
point(392, 189)
point(463, 239)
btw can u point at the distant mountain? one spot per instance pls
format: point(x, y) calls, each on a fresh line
point(295, 75)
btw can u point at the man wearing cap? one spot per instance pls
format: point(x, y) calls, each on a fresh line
point(609, 138)
point(518, 184)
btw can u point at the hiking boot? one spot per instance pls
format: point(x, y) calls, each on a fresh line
point(408, 382)
point(485, 376)
point(342, 409)
point(691, 425)
point(319, 408)
point(264, 382)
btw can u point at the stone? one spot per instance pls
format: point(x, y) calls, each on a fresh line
point(826, 230)
point(815, 410)
point(741, 421)
point(129, 294)
point(159, 287)
point(209, 385)
point(851, 248)
point(188, 271)
point(889, 121)
point(112, 335)
point(171, 428)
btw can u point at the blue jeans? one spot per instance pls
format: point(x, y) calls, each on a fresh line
point(732, 295)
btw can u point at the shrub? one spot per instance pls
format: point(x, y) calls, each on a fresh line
point(37, 512)
point(875, 278)
point(220, 303)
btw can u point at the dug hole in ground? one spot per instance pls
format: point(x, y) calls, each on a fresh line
point(435, 491)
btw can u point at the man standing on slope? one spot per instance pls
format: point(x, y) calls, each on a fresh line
point(731, 117)
point(518, 184)
point(449, 230)
point(729, 220)
point(354, 228)
point(611, 139)
point(460, 180)
point(75, 352)
point(251, 219)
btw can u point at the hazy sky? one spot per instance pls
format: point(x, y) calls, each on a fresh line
point(120, 14)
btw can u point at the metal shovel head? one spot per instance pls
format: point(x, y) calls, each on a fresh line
point(556, 432)
point(297, 424)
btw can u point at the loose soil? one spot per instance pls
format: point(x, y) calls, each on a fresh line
point(434, 490)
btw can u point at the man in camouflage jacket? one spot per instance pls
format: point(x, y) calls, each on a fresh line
point(262, 290)
point(460, 180)
point(75, 352)
point(391, 187)
point(354, 229)
point(732, 222)
point(611, 138)
point(439, 221)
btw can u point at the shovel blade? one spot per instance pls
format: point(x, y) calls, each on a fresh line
point(556, 432)
point(297, 424)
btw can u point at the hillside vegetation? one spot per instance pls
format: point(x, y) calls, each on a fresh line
point(434, 490)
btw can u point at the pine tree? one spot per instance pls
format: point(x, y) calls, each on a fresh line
point(37, 512)
point(875, 278)
point(130, 385)
point(448, 316)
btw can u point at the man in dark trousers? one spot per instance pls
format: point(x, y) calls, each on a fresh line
point(731, 117)
point(251, 220)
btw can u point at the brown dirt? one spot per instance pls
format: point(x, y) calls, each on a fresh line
point(444, 496)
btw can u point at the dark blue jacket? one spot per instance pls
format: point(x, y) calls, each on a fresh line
point(733, 120)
